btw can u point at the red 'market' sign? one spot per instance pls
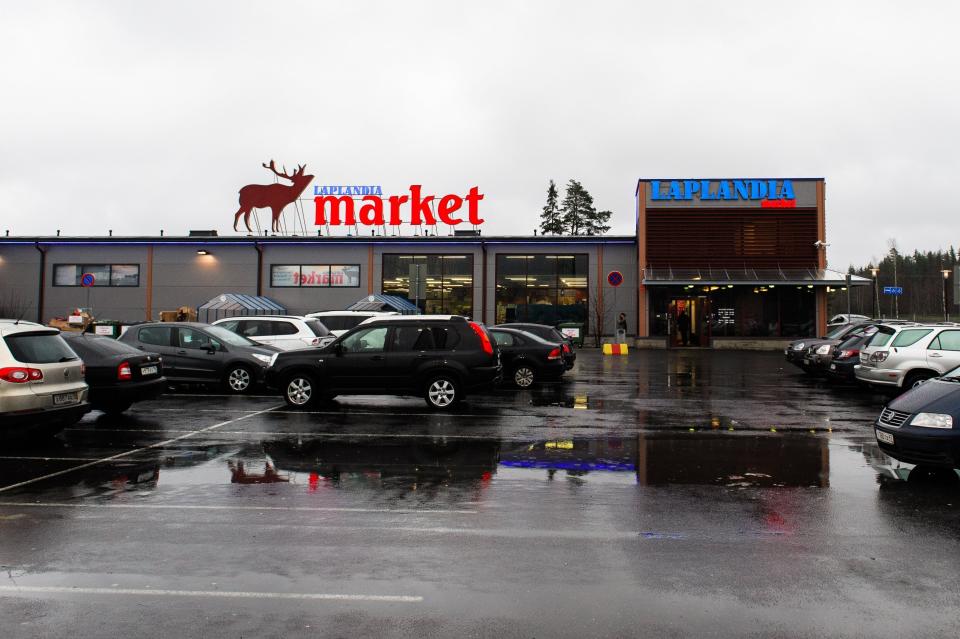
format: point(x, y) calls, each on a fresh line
point(371, 210)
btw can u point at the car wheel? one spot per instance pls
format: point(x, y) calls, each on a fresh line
point(442, 392)
point(239, 380)
point(116, 409)
point(524, 376)
point(300, 391)
point(915, 379)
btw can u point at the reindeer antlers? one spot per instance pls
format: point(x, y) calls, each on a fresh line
point(273, 167)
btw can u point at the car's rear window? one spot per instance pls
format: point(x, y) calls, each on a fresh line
point(879, 339)
point(39, 348)
point(100, 345)
point(341, 322)
point(319, 328)
point(910, 336)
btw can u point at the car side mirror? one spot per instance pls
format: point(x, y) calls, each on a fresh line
point(211, 349)
point(338, 348)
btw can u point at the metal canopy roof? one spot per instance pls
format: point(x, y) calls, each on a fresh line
point(380, 302)
point(233, 304)
point(667, 276)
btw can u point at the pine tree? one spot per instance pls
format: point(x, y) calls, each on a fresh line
point(596, 223)
point(577, 208)
point(550, 219)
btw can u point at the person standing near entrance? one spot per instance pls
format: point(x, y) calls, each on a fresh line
point(622, 328)
point(683, 325)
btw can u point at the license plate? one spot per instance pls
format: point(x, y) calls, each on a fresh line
point(886, 438)
point(806, 361)
point(65, 398)
point(833, 367)
point(148, 370)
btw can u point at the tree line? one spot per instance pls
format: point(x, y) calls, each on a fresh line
point(575, 215)
point(921, 276)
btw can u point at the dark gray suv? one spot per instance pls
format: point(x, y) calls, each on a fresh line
point(437, 357)
point(194, 352)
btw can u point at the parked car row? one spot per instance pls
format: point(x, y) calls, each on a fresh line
point(920, 362)
point(49, 380)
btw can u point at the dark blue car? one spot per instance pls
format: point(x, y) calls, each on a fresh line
point(922, 426)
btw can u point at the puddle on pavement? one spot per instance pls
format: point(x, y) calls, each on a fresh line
point(711, 456)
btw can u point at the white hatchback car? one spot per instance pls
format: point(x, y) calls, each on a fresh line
point(286, 332)
point(339, 322)
point(42, 386)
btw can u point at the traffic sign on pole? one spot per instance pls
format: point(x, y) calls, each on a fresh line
point(615, 278)
point(87, 280)
point(893, 290)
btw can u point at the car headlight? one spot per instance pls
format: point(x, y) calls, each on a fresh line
point(823, 350)
point(799, 346)
point(932, 420)
point(266, 359)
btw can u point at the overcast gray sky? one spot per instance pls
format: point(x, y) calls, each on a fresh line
point(137, 116)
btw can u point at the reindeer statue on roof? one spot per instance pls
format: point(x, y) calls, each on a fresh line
point(271, 196)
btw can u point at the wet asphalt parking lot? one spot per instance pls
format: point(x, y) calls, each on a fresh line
point(659, 494)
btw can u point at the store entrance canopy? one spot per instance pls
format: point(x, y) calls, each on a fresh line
point(666, 276)
point(233, 304)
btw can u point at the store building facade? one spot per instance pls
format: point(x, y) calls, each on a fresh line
point(713, 263)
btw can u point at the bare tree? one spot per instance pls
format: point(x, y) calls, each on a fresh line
point(13, 305)
point(600, 309)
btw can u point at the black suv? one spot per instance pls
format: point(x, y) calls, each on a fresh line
point(439, 358)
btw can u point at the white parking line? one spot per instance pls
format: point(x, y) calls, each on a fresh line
point(133, 451)
point(221, 594)
point(322, 509)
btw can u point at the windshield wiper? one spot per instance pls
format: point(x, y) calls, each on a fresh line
point(67, 359)
point(950, 379)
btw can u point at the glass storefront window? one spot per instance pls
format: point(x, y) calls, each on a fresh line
point(734, 311)
point(104, 274)
point(315, 275)
point(545, 289)
point(446, 281)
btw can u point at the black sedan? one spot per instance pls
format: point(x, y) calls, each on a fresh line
point(922, 426)
point(527, 358)
point(550, 334)
point(845, 356)
point(118, 374)
point(195, 352)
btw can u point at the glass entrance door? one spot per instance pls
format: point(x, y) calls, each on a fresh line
point(689, 322)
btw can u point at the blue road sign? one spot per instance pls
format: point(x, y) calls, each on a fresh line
point(893, 290)
point(87, 279)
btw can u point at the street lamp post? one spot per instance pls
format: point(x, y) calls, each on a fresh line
point(876, 292)
point(946, 276)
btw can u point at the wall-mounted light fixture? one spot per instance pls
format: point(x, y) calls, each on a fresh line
point(203, 252)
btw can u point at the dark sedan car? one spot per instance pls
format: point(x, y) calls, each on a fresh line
point(846, 355)
point(801, 352)
point(550, 334)
point(194, 352)
point(922, 426)
point(118, 374)
point(527, 358)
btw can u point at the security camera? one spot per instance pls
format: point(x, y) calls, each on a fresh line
point(820, 244)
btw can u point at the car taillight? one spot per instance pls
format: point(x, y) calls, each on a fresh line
point(484, 340)
point(124, 372)
point(879, 356)
point(83, 368)
point(566, 348)
point(848, 353)
point(554, 354)
point(19, 375)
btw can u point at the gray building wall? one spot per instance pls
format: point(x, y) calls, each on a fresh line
point(181, 277)
point(19, 282)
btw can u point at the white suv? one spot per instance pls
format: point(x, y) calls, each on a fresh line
point(339, 322)
point(905, 356)
point(41, 380)
point(286, 332)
